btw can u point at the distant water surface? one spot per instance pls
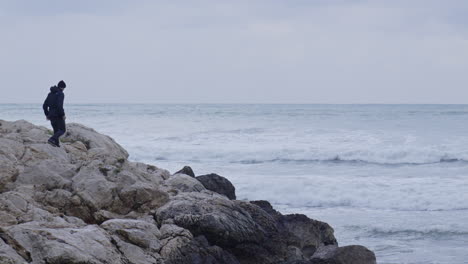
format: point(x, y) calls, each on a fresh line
point(393, 178)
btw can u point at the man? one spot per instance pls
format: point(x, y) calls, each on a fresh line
point(53, 109)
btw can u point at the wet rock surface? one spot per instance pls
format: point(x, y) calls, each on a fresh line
point(87, 203)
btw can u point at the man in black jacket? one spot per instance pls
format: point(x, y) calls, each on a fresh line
point(53, 109)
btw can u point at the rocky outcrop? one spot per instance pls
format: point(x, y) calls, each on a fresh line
point(87, 203)
point(221, 221)
point(340, 255)
point(219, 184)
point(187, 170)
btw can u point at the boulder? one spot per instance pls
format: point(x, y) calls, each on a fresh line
point(187, 171)
point(99, 146)
point(180, 247)
point(49, 173)
point(14, 205)
point(296, 231)
point(137, 240)
point(8, 255)
point(184, 183)
point(311, 233)
point(88, 244)
point(9, 172)
point(220, 220)
point(11, 149)
point(344, 255)
point(219, 184)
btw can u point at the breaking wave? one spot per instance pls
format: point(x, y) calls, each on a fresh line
point(340, 160)
point(425, 232)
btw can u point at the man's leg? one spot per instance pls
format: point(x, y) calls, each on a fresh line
point(52, 140)
point(59, 129)
point(54, 125)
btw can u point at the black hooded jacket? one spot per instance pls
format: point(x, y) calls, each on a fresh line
point(53, 104)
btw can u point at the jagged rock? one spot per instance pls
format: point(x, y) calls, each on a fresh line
point(143, 199)
point(7, 219)
point(57, 245)
point(187, 171)
point(138, 240)
point(14, 206)
point(344, 255)
point(220, 220)
point(8, 255)
point(52, 198)
point(135, 254)
point(272, 249)
point(10, 153)
point(290, 233)
point(8, 174)
point(147, 173)
point(333, 254)
point(184, 183)
point(10, 149)
point(51, 174)
point(99, 146)
point(139, 232)
point(266, 206)
point(302, 261)
point(87, 174)
point(311, 233)
point(219, 184)
point(180, 247)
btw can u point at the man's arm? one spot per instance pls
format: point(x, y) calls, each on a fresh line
point(60, 99)
point(45, 106)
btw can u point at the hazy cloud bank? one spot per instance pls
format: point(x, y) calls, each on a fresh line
point(236, 51)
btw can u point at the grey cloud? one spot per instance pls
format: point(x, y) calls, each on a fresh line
point(241, 51)
point(61, 7)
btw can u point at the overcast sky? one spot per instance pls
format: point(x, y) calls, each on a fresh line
point(253, 51)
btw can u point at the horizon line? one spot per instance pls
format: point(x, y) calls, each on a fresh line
point(237, 103)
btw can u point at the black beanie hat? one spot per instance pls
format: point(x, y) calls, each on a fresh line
point(61, 84)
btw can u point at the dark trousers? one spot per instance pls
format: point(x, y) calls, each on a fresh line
point(59, 128)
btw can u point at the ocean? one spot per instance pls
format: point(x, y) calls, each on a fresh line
point(393, 178)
